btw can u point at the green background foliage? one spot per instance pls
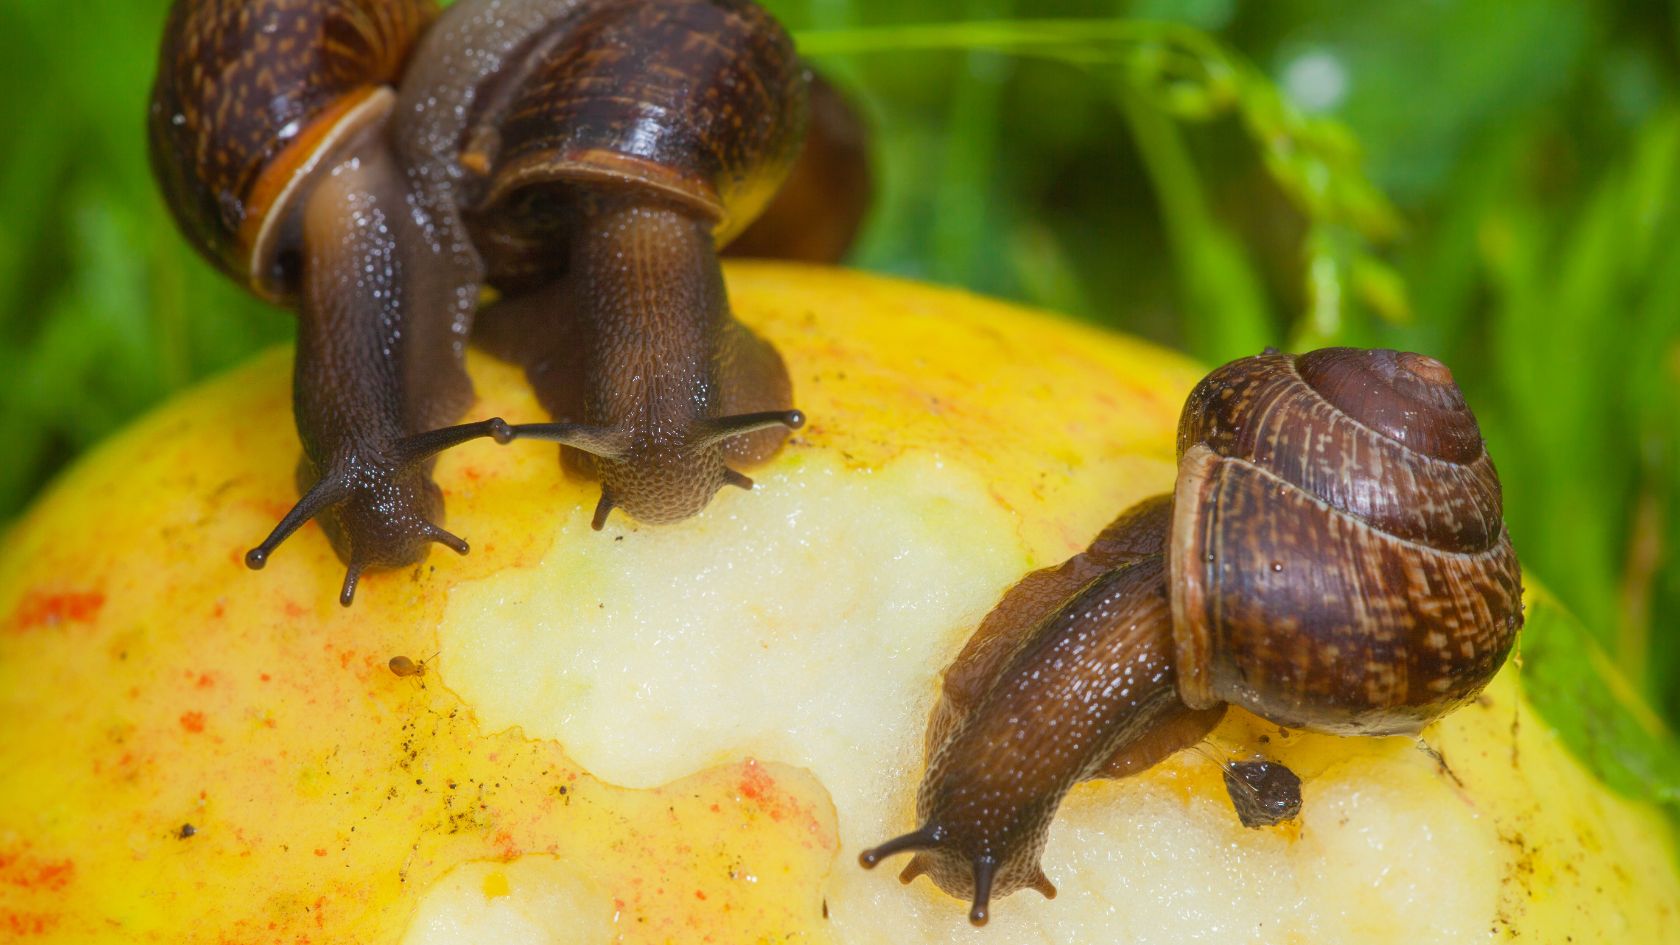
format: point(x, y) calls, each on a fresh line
point(1493, 183)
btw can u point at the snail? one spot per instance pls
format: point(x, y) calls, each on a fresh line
point(270, 137)
point(378, 166)
point(609, 163)
point(1333, 557)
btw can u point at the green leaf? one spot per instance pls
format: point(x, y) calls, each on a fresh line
point(1593, 709)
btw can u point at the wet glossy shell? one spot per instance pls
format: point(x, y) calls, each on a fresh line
point(1339, 561)
point(702, 100)
point(249, 96)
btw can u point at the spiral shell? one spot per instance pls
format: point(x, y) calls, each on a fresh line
point(701, 100)
point(250, 97)
point(1338, 556)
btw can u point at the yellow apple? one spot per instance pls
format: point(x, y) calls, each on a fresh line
point(686, 733)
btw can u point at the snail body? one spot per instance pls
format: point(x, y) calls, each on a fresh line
point(623, 154)
point(1333, 557)
point(375, 165)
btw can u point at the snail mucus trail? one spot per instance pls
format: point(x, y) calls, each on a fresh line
point(1333, 557)
point(374, 164)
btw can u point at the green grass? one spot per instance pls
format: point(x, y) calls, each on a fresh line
point(1492, 183)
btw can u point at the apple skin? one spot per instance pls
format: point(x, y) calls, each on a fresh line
point(196, 752)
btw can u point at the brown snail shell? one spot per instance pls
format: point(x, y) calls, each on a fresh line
point(1338, 557)
point(817, 214)
point(701, 100)
point(251, 98)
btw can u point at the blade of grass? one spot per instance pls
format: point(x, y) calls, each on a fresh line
point(1186, 74)
point(1225, 313)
